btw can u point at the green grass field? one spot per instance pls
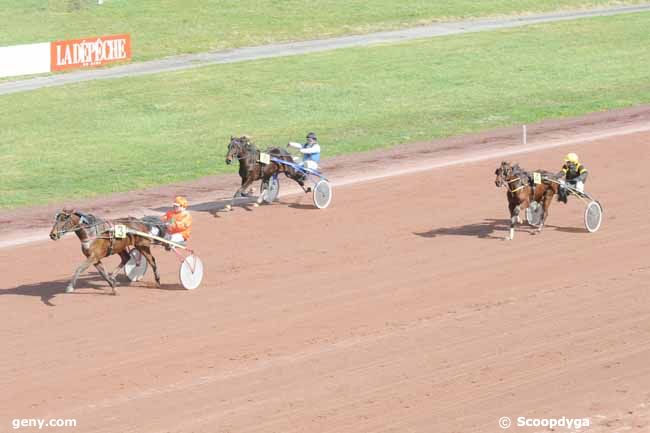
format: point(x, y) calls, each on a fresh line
point(165, 27)
point(115, 135)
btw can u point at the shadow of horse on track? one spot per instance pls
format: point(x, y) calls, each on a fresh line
point(216, 207)
point(47, 290)
point(487, 228)
point(482, 230)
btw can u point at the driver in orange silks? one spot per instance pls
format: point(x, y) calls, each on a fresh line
point(179, 221)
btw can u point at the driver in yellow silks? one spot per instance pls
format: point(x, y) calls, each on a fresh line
point(574, 174)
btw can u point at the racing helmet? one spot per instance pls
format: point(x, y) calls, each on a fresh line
point(572, 157)
point(181, 201)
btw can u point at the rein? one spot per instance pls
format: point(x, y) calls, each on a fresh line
point(78, 227)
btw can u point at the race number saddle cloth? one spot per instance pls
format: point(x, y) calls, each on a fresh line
point(539, 176)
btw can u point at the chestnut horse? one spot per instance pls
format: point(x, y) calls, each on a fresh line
point(98, 241)
point(521, 191)
point(251, 169)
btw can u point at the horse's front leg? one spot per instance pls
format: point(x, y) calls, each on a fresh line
point(85, 265)
point(238, 193)
point(234, 197)
point(514, 215)
point(246, 191)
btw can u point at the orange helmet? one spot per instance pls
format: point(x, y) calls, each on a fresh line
point(181, 201)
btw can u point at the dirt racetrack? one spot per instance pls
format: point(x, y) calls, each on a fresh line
point(398, 309)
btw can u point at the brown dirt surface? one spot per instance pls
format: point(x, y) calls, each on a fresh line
point(398, 309)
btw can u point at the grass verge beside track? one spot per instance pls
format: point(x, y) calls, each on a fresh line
point(164, 27)
point(116, 135)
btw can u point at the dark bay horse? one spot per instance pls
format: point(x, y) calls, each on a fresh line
point(251, 169)
point(98, 241)
point(522, 190)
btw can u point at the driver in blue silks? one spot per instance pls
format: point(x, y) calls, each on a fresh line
point(310, 151)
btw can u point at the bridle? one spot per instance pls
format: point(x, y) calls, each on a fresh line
point(240, 149)
point(244, 150)
point(79, 226)
point(504, 173)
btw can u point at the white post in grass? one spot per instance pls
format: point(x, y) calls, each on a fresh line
point(524, 138)
point(100, 2)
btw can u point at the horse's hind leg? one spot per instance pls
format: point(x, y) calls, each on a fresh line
point(263, 189)
point(299, 178)
point(548, 199)
point(301, 182)
point(109, 278)
point(146, 252)
point(260, 199)
point(125, 257)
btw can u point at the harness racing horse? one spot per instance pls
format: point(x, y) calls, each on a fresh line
point(98, 241)
point(251, 169)
point(521, 191)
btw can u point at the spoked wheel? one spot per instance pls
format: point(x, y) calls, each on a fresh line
point(593, 216)
point(136, 267)
point(535, 214)
point(191, 272)
point(270, 190)
point(322, 194)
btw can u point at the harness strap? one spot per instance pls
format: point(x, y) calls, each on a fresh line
point(512, 181)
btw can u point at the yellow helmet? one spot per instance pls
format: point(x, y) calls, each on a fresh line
point(572, 157)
